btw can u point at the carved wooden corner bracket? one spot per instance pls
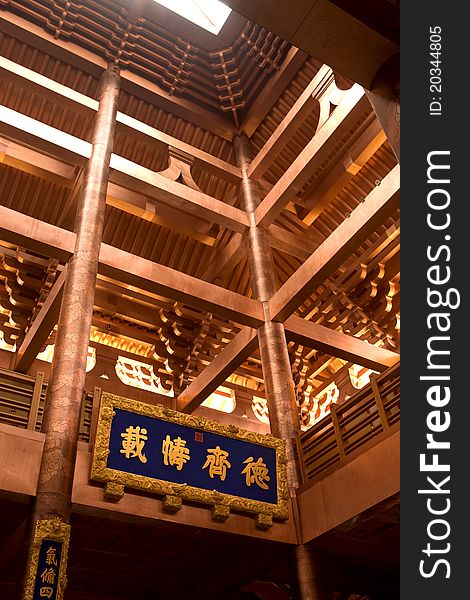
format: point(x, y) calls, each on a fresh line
point(179, 168)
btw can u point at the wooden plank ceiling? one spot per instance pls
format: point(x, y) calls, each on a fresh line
point(172, 199)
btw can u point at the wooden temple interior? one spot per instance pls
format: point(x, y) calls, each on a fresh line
point(177, 308)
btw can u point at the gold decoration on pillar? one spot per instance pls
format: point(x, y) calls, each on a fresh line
point(57, 531)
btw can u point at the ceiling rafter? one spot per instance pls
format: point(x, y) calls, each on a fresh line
point(380, 203)
point(114, 264)
point(45, 86)
point(125, 172)
point(228, 82)
point(94, 64)
point(352, 104)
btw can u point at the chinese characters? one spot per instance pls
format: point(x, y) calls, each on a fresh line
point(256, 472)
point(176, 452)
point(48, 576)
point(134, 442)
point(217, 463)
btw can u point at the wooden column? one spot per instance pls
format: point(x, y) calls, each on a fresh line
point(306, 573)
point(67, 378)
point(277, 372)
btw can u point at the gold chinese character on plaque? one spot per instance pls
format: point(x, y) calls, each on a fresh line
point(256, 472)
point(51, 558)
point(217, 462)
point(175, 452)
point(48, 575)
point(133, 443)
point(46, 592)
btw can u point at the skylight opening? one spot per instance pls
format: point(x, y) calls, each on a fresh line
point(208, 14)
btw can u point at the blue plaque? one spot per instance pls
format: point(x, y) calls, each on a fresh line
point(48, 562)
point(172, 454)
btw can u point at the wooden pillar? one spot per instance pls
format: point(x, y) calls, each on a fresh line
point(307, 573)
point(384, 97)
point(67, 379)
point(277, 372)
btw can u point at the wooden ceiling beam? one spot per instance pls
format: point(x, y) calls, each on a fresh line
point(370, 139)
point(131, 270)
point(77, 102)
point(311, 335)
point(338, 345)
point(43, 138)
point(41, 327)
point(279, 238)
point(141, 273)
point(301, 109)
point(123, 306)
point(36, 163)
point(223, 365)
point(164, 281)
point(344, 240)
point(353, 104)
point(181, 197)
point(118, 304)
point(49, 89)
point(208, 162)
point(225, 259)
point(270, 93)
point(51, 169)
point(123, 172)
point(93, 64)
point(21, 230)
point(141, 206)
point(290, 243)
point(193, 112)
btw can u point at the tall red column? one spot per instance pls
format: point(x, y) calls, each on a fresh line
point(67, 378)
point(277, 372)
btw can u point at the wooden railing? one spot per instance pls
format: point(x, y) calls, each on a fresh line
point(372, 412)
point(22, 402)
point(367, 416)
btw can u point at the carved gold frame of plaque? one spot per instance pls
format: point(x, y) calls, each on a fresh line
point(117, 480)
point(48, 529)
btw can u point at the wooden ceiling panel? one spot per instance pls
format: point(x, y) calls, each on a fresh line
point(361, 298)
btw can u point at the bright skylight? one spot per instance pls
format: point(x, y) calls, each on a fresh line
point(209, 14)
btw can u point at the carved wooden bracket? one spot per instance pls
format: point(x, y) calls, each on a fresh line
point(179, 168)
